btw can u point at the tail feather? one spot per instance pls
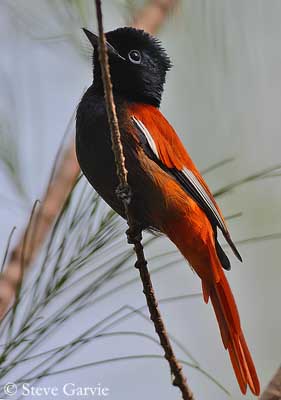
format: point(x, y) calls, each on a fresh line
point(228, 303)
point(232, 336)
point(237, 370)
point(254, 382)
point(199, 249)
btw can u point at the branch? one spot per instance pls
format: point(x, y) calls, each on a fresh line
point(36, 232)
point(149, 19)
point(134, 232)
point(273, 390)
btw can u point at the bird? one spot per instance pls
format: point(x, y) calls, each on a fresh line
point(169, 195)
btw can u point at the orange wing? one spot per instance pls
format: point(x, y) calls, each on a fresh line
point(163, 144)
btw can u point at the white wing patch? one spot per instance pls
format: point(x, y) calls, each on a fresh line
point(205, 197)
point(188, 181)
point(148, 136)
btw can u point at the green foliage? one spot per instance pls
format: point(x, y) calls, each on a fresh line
point(85, 261)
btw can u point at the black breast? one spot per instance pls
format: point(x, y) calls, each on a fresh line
point(96, 158)
point(93, 147)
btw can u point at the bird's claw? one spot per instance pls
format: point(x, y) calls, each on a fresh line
point(124, 193)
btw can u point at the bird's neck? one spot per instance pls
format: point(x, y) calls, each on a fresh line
point(132, 96)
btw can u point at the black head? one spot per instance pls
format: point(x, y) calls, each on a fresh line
point(138, 64)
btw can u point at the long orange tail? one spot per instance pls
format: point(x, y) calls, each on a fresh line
point(232, 336)
point(201, 254)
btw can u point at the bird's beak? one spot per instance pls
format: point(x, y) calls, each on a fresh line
point(94, 40)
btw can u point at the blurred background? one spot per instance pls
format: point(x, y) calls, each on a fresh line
point(223, 97)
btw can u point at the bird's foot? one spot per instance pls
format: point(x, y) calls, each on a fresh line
point(124, 193)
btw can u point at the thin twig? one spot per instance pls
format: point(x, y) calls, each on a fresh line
point(7, 248)
point(56, 194)
point(21, 269)
point(134, 233)
point(150, 18)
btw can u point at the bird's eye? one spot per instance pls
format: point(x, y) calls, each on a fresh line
point(134, 56)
